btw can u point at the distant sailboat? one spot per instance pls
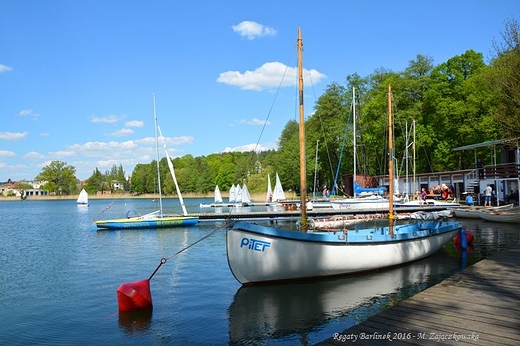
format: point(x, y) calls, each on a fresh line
point(218, 196)
point(269, 196)
point(246, 197)
point(82, 198)
point(232, 194)
point(278, 194)
point(218, 202)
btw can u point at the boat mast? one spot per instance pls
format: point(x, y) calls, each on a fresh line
point(303, 183)
point(414, 159)
point(315, 170)
point(157, 153)
point(354, 116)
point(390, 157)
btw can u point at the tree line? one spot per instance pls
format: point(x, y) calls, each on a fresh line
point(459, 102)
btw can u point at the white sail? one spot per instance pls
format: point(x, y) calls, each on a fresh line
point(232, 194)
point(172, 171)
point(278, 194)
point(218, 196)
point(246, 197)
point(269, 196)
point(82, 198)
point(238, 194)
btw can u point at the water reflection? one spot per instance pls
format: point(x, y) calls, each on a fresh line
point(135, 321)
point(270, 312)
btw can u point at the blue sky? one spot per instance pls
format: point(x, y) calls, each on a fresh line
point(77, 77)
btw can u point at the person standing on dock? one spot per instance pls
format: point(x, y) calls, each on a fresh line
point(488, 192)
point(480, 168)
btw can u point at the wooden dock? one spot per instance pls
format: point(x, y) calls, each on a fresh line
point(477, 306)
point(235, 213)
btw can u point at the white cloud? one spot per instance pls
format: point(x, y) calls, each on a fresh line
point(110, 119)
point(63, 153)
point(122, 132)
point(25, 112)
point(33, 155)
point(251, 147)
point(252, 30)
point(269, 75)
point(96, 149)
point(4, 68)
point(134, 123)
point(13, 136)
point(6, 153)
point(256, 121)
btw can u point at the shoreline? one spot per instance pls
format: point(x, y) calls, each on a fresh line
point(255, 197)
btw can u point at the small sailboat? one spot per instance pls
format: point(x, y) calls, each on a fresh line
point(218, 196)
point(265, 254)
point(269, 196)
point(278, 194)
point(156, 219)
point(245, 197)
point(233, 192)
point(217, 200)
point(82, 198)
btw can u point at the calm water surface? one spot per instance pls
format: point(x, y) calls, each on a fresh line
point(59, 279)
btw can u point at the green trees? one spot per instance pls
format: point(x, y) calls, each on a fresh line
point(60, 178)
point(503, 78)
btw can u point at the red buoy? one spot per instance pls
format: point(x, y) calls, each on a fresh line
point(469, 238)
point(133, 296)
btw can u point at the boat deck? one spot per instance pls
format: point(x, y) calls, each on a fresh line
point(478, 306)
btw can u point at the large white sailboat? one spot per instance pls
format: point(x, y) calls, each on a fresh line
point(261, 254)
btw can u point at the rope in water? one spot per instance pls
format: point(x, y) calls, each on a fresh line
point(165, 259)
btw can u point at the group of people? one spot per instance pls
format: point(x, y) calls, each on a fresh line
point(439, 192)
point(488, 196)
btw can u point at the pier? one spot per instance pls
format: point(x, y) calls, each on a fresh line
point(235, 213)
point(479, 306)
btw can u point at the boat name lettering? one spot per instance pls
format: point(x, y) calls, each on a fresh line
point(254, 244)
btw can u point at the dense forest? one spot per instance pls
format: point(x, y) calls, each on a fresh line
point(459, 102)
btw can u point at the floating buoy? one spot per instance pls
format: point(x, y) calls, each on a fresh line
point(133, 296)
point(463, 239)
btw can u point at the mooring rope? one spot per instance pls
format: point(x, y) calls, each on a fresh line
point(106, 208)
point(165, 259)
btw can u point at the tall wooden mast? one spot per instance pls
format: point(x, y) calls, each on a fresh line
point(303, 182)
point(390, 157)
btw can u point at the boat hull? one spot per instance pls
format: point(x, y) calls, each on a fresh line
point(511, 215)
point(259, 254)
point(136, 223)
point(475, 212)
point(365, 203)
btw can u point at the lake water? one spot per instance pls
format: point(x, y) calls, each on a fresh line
point(59, 279)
